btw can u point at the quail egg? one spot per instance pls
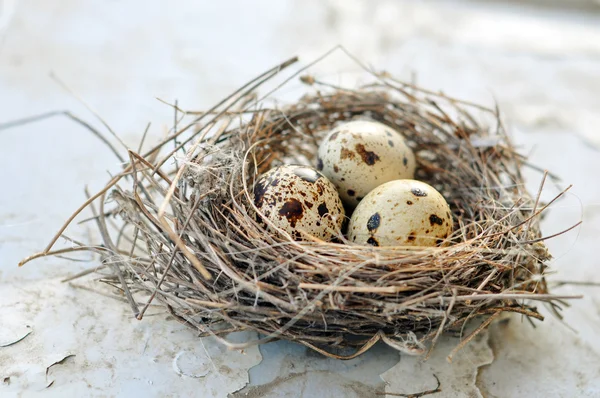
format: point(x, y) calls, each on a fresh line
point(360, 155)
point(401, 213)
point(299, 200)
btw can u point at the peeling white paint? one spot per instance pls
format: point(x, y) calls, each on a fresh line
point(412, 374)
point(112, 351)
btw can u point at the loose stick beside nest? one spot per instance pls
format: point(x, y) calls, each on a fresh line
point(189, 237)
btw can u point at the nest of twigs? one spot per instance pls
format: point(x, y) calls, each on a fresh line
point(187, 235)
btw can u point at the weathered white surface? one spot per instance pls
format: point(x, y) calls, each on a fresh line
point(412, 374)
point(113, 354)
point(541, 64)
point(291, 370)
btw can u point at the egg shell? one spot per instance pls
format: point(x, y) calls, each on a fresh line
point(299, 200)
point(360, 155)
point(402, 213)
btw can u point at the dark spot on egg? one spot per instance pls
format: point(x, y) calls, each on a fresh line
point(342, 179)
point(322, 209)
point(259, 193)
point(345, 153)
point(404, 161)
point(411, 237)
point(391, 143)
point(336, 168)
point(409, 202)
point(319, 164)
point(387, 132)
point(418, 192)
point(351, 192)
point(373, 222)
point(307, 173)
point(308, 204)
point(334, 136)
point(292, 210)
point(368, 157)
point(439, 242)
point(372, 241)
point(434, 219)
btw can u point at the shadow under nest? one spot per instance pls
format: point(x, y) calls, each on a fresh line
point(196, 246)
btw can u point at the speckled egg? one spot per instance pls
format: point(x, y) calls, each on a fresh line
point(299, 200)
point(360, 155)
point(401, 213)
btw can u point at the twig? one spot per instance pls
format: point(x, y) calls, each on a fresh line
point(416, 394)
point(471, 336)
point(356, 289)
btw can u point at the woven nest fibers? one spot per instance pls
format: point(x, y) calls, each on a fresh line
point(186, 233)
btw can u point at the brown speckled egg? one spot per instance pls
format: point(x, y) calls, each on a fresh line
point(299, 200)
point(401, 213)
point(360, 155)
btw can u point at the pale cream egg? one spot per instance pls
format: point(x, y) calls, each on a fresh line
point(360, 155)
point(299, 200)
point(402, 213)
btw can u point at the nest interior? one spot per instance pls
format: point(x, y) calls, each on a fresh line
point(185, 233)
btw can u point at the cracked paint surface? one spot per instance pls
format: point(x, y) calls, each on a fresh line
point(458, 379)
point(296, 371)
point(108, 352)
point(554, 363)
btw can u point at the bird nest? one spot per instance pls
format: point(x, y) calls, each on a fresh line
point(185, 231)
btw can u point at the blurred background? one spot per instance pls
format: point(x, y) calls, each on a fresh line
point(538, 60)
